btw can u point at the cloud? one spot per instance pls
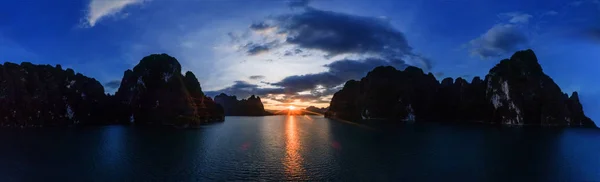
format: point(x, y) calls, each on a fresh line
point(260, 26)
point(498, 40)
point(113, 84)
point(339, 72)
point(517, 17)
point(256, 77)
point(293, 52)
point(253, 49)
point(256, 49)
point(100, 9)
point(337, 33)
point(244, 89)
point(358, 43)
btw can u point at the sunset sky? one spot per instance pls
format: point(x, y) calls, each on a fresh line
point(299, 52)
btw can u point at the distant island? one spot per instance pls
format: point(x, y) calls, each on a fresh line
point(514, 92)
point(252, 106)
point(316, 110)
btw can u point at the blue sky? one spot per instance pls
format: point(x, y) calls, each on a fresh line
point(264, 46)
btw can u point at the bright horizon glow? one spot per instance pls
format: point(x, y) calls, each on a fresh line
point(291, 107)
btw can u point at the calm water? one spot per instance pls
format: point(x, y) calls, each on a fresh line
point(299, 148)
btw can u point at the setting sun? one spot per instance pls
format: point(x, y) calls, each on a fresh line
point(291, 107)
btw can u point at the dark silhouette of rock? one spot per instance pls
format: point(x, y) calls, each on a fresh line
point(246, 107)
point(42, 95)
point(514, 92)
point(316, 110)
point(155, 92)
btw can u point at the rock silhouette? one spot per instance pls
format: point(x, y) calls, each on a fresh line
point(43, 95)
point(154, 92)
point(316, 110)
point(246, 107)
point(514, 92)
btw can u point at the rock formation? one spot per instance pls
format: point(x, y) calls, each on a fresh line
point(514, 92)
point(246, 107)
point(316, 110)
point(43, 95)
point(155, 92)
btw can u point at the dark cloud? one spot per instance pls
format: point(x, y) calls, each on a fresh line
point(499, 40)
point(244, 89)
point(256, 77)
point(338, 33)
point(253, 49)
point(298, 3)
point(293, 52)
point(339, 72)
point(113, 84)
point(260, 26)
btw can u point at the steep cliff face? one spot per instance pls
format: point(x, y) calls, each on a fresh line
point(42, 95)
point(515, 92)
point(155, 92)
point(521, 94)
point(246, 107)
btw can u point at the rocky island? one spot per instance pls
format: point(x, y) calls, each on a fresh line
point(514, 92)
point(153, 93)
point(252, 106)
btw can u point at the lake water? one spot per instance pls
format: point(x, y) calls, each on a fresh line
point(299, 148)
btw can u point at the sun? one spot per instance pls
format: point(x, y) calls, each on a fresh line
point(291, 108)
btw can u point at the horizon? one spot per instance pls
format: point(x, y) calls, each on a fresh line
point(299, 52)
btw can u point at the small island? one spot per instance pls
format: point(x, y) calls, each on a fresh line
point(252, 106)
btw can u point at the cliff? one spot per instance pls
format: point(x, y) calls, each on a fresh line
point(514, 92)
point(43, 95)
point(246, 107)
point(155, 92)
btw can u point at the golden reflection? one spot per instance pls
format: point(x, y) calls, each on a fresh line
point(293, 159)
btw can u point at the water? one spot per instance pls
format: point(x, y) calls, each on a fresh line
point(299, 148)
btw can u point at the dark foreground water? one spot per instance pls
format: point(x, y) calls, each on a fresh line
point(299, 148)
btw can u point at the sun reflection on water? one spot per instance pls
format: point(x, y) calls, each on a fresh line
point(293, 159)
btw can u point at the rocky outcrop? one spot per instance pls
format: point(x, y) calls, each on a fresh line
point(155, 92)
point(246, 107)
point(316, 110)
point(43, 95)
point(514, 92)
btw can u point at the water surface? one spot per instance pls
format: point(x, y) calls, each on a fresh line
point(299, 148)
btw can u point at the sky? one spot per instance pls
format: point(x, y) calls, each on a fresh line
point(299, 52)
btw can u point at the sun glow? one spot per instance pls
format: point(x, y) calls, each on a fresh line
point(291, 108)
